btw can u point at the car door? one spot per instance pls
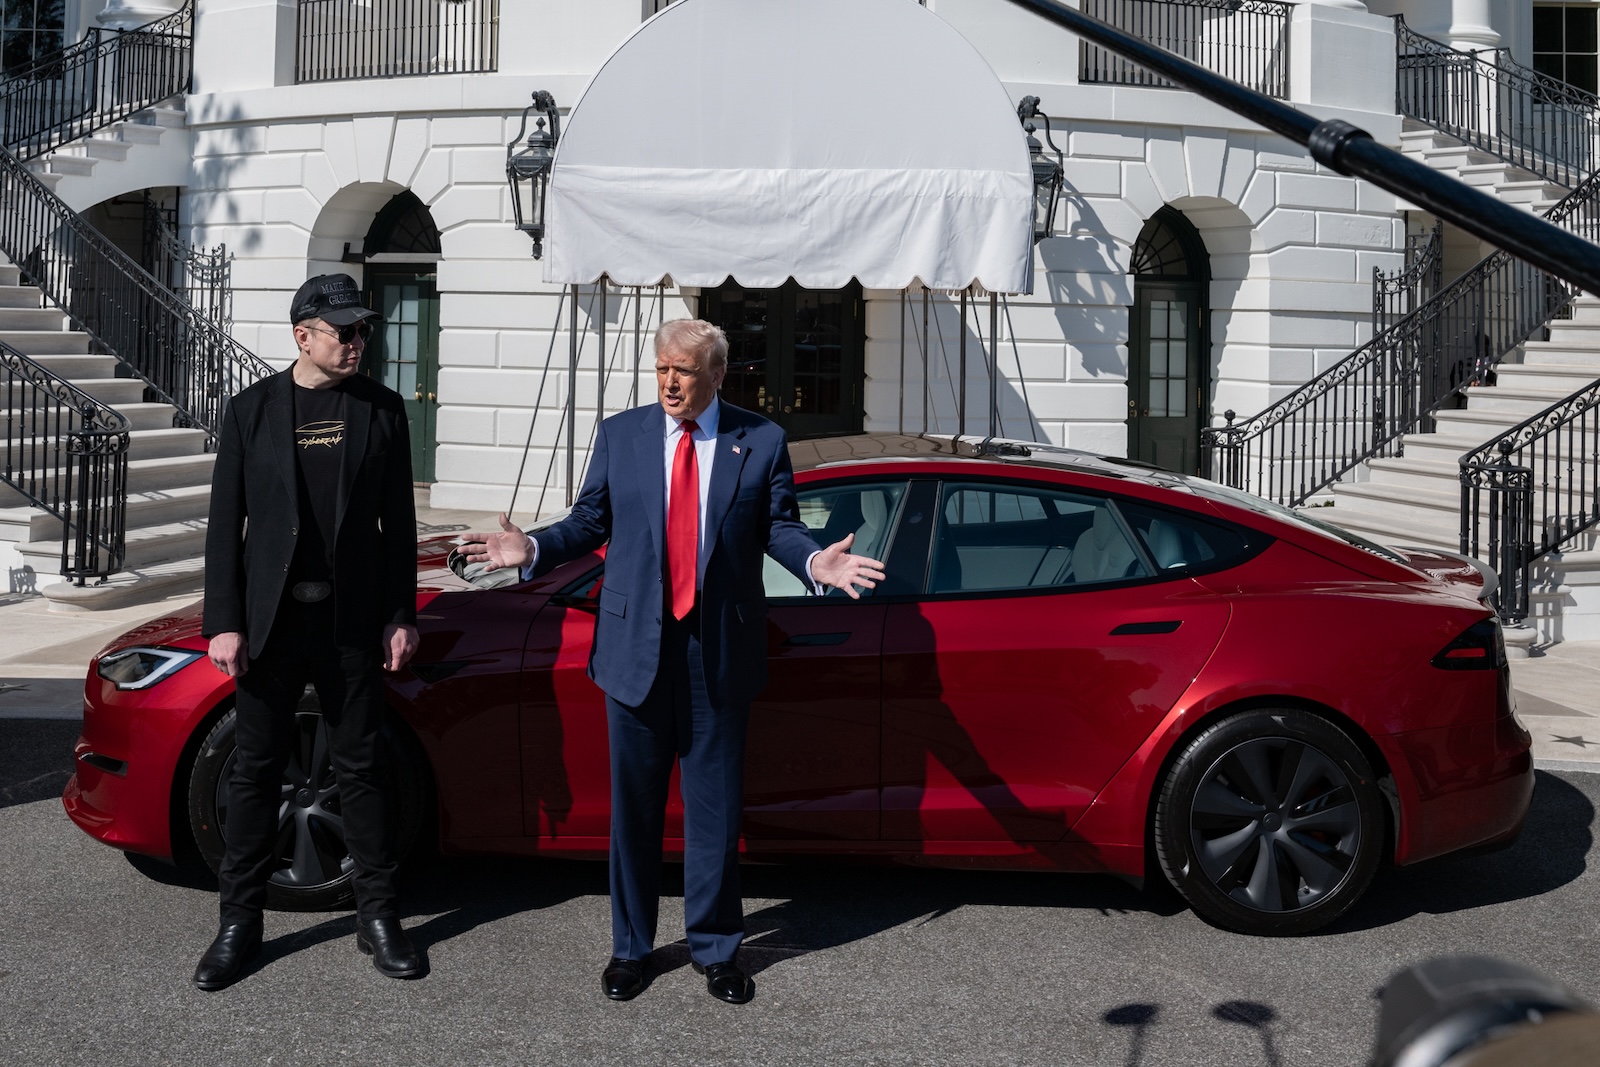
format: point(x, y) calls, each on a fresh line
point(1048, 643)
point(812, 759)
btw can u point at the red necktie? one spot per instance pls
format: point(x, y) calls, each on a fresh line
point(683, 522)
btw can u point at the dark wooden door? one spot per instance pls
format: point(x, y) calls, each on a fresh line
point(1166, 379)
point(794, 355)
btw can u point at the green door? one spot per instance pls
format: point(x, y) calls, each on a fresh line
point(1164, 389)
point(794, 355)
point(404, 353)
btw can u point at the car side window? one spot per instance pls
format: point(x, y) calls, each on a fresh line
point(1178, 540)
point(867, 510)
point(992, 538)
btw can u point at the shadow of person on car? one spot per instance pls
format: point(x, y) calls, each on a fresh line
point(1551, 851)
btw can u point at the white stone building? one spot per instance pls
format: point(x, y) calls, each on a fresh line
point(311, 141)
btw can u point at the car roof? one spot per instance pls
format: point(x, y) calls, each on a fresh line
point(832, 452)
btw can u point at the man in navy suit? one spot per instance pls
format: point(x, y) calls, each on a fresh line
point(690, 493)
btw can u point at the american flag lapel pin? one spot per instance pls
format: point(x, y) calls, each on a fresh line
point(736, 450)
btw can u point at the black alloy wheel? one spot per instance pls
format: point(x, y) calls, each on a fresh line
point(1270, 822)
point(314, 870)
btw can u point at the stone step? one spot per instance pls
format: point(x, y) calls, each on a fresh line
point(66, 166)
point(1555, 378)
point(146, 546)
point(1562, 353)
point(138, 132)
point(1386, 530)
point(182, 504)
point(1528, 192)
point(142, 585)
point(1423, 474)
point(170, 472)
point(77, 365)
point(20, 296)
point(112, 391)
point(1475, 425)
point(164, 114)
point(159, 443)
point(10, 274)
point(139, 416)
point(97, 148)
point(47, 342)
point(28, 524)
point(31, 319)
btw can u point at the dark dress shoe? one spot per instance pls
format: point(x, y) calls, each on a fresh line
point(389, 947)
point(622, 979)
point(726, 981)
point(236, 944)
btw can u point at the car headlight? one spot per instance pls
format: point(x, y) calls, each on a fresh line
point(141, 667)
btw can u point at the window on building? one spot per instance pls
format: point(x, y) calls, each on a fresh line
point(1564, 43)
point(29, 31)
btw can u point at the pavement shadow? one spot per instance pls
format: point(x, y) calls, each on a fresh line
point(35, 758)
point(1138, 1019)
point(1551, 852)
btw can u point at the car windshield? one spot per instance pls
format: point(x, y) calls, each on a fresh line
point(1238, 498)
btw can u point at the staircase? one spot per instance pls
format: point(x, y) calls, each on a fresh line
point(147, 150)
point(1415, 498)
point(169, 473)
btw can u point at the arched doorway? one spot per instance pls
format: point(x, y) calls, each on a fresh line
point(1167, 344)
point(402, 256)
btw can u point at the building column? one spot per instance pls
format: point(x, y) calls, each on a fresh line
point(129, 14)
point(1469, 26)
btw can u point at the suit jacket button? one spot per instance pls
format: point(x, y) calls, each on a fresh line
point(658, 620)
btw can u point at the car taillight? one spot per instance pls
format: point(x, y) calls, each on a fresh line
point(1480, 647)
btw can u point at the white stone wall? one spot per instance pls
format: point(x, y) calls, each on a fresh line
point(285, 184)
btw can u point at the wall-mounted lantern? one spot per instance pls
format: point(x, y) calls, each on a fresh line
point(528, 169)
point(1047, 173)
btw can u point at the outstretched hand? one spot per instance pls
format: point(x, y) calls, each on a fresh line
point(836, 566)
point(508, 548)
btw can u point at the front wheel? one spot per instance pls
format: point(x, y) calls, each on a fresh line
point(313, 868)
point(1270, 822)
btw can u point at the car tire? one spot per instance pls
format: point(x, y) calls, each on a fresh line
point(314, 870)
point(1270, 822)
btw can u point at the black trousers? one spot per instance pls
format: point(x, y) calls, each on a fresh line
point(677, 721)
point(348, 682)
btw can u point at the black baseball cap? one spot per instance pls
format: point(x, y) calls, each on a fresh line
point(333, 298)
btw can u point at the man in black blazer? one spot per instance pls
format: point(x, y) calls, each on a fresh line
point(311, 578)
point(690, 493)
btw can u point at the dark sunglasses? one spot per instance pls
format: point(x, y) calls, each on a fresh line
point(348, 334)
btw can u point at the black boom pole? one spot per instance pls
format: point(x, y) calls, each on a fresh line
point(1351, 150)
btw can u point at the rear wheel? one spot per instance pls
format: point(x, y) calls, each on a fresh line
point(1270, 822)
point(314, 868)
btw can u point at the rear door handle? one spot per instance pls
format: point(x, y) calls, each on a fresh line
point(1128, 629)
point(812, 640)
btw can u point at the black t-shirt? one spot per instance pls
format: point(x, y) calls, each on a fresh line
point(319, 443)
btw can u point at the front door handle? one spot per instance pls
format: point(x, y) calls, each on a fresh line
point(1165, 626)
point(814, 640)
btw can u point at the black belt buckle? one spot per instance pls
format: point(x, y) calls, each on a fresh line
point(311, 592)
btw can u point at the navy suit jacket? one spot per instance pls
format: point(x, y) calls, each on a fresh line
point(750, 512)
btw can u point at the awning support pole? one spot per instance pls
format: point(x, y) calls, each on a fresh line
point(638, 343)
point(926, 386)
point(605, 359)
point(904, 296)
point(572, 400)
point(961, 397)
point(994, 364)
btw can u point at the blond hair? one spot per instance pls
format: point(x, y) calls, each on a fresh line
point(694, 337)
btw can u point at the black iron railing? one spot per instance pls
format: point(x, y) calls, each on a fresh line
point(68, 453)
point(106, 77)
point(184, 358)
point(337, 40)
point(1361, 408)
point(202, 276)
point(1493, 103)
point(1398, 293)
point(1244, 40)
point(1531, 490)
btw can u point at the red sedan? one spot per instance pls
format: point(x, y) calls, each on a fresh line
point(1076, 664)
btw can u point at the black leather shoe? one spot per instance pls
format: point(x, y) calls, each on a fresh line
point(622, 979)
point(389, 947)
point(236, 944)
point(726, 981)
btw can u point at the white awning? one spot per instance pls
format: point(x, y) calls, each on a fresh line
point(819, 140)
